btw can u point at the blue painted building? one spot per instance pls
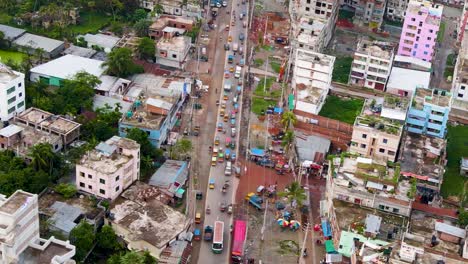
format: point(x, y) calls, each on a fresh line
point(429, 111)
point(156, 114)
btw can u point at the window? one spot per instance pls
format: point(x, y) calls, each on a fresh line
point(90, 176)
point(308, 1)
point(413, 19)
point(416, 46)
point(462, 87)
point(56, 146)
point(392, 153)
point(9, 91)
point(117, 178)
point(417, 38)
point(90, 187)
point(82, 184)
point(431, 31)
point(425, 53)
point(20, 84)
point(20, 94)
point(82, 174)
point(117, 188)
point(174, 56)
point(11, 110)
point(414, 53)
point(396, 210)
point(11, 100)
point(460, 95)
point(419, 31)
point(429, 38)
point(427, 45)
point(307, 9)
point(363, 145)
point(20, 104)
point(385, 141)
point(420, 24)
point(102, 181)
point(381, 207)
point(364, 135)
point(101, 191)
point(381, 150)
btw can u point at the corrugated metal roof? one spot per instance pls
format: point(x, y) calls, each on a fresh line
point(159, 103)
point(11, 33)
point(35, 42)
point(449, 229)
point(68, 66)
point(106, 149)
point(10, 130)
point(374, 185)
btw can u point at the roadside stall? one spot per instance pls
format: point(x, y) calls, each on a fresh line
point(257, 154)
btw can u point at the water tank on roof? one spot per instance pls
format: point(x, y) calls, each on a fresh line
point(129, 114)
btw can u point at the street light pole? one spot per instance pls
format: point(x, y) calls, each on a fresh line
point(301, 256)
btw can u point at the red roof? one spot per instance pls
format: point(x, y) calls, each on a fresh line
point(436, 211)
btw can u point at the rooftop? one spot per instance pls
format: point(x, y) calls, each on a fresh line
point(15, 202)
point(310, 94)
point(382, 50)
point(66, 67)
point(383, 124)
point(178, 44)
point(422, 156)
point(48, 120)
point(102, 40)
point(100, 101)
point(426, 7)
point(35, 42)
point(151, 221)
point(53, 248)
point(431, 96)
point(79, 51)
point(10, 130)
point(311, 147)
point(164, 20)
point(315, 25)
point(171, 175)
point(348, 240)
point(31, 137)
point(7, 75)
point(307, 59)
point(407, 79)
point(390, 106)
point(411, 63)
point(105, 159)
point(11, 33)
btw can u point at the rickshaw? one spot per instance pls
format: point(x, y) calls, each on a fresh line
point(213, 161)
point(216, 140)
point(223, 105)
point(233, 122)
point(225, 118)
point(230, 38)
point(221, 113)
point(228, 154)
point(236, 108)
point(198, 218)
point(212, 184)
point(239, 89)
point(231, 69)
point(228, 141)
point(226, 96)
point(197, 234)
point(215, 152)
point(233, 157)
point(220, 126)
point(220, 157)
point(233, 114)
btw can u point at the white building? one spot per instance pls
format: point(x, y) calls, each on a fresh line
point(395, 9)
point(372, 64)
point(403, 81)
point(173, 52)
point(12, 93)
point(19, 233)
point(311, 80)
point(459, 109)
point(105, 42)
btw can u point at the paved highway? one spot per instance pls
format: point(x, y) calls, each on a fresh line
point(214, 197)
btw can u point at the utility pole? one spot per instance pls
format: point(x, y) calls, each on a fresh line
point(301, 256)
point(264, 219)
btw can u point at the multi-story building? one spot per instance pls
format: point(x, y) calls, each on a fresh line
point(459, 107)
point(19, 233)
point(403, 81)
point(312, 79)
point(173, 51)
point(370, 12)
point(462, 23)
point(319, 8)
point(419, 34)
point(171, 7)
point(377, 133)
point(396, 9)
point(372, 64)
point(167, 23)
point(157, 107)
point(12, 93)
point(429, 112)
point(110, 168)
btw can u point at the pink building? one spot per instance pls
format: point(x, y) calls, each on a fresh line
point(419, 35)
point(110, 168)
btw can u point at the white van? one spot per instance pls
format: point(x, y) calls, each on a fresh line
point(228, 169)
point(241, 50)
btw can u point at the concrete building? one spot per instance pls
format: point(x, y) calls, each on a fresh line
point(160, 109)
point(173, 52)
point(369, 12)
point(102, 41)
point(110, 168)
point(11, 33)
point(171, 176)
point(420, 29)
point(429, 112)
point(79, 51)
point(464, 166)
point(29, 43)
point(372, 64)
point(404, 81)
point(462, 23)
point(169, 23)
point(318, 8)
point(19, 233)
point(377, 134)
point(396, 9)
point(12, 93)
point(145, 223)
point(64, 68)
point(423, 158)
point(459, 104)
point(311, 80)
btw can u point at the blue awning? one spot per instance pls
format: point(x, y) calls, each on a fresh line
point(326, 229)
point(257, 152)
point(278, 110)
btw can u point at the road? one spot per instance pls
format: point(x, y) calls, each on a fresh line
point(214, 197)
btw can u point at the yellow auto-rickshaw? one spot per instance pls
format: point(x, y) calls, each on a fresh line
point(216, 141)
point(198, 218)
point(225, 118)
point(213, 161)
point(221, 113)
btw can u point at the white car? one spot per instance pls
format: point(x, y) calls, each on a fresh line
point(218, 4)
point(224, 3)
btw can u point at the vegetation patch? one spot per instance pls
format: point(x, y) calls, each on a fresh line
point(441, 33)
point(258, 62)
point(260, 105)
point(275, 66)
point(288, 247)
point(90, 22)
point(450, 65)
point(344, 110)
point(341, 69)
point(12, 56)
point(264, 88)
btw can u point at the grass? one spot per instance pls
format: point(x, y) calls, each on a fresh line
point(341, 69)
point(449, 65)
point(276, 66)
point(441, 33)
point(90, 23)
point(395, 23)
point(260, 104)
point(344, 110)
point(263, 88)
point(15, 56)
point(258, 62)
point(457, 147)
point(5, 18)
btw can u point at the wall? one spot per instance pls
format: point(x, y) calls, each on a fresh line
point(373, 141)
point(9, 110)
point(418, 120)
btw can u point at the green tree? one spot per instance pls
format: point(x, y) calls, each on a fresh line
point(67, 190)
point(3, 41)
point(182, 148)
point(158, 9)
point(119, 63)
point(146, 48)
point(463, 218)
point(132, 257)
point(139, 14)
point(82, 236)
point(288, 139)
point(107, 239)
point(294, 193)
point(117, 28)
point(42, 157)
point(140, 136)
point(104, 126)
point(287, 119)
point(39, 52)
point(141, 27)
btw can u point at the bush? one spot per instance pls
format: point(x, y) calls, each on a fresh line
point(65, 189)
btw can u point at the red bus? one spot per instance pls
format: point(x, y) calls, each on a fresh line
point(239, 236)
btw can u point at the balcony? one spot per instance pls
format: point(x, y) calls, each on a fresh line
point(357, 74)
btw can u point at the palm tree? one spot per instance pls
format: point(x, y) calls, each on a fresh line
point(288, 139)
point(42, 157)
point(294, 193)
point(288, 119)
point(159, 9)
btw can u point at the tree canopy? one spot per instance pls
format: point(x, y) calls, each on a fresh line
point(104, 126)
point(146, 48)
point(119, 63)
point(141, 27)
point(294, 193)
point(82, 236)
point(132, 257)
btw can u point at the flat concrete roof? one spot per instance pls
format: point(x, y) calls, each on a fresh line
point(15, 202)
point(66, 67)
point(102, 40)
point(79, 51)
point(409, 80)
point(7, 75)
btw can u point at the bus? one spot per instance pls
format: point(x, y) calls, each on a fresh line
point(218, 237)
point(238, 240)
